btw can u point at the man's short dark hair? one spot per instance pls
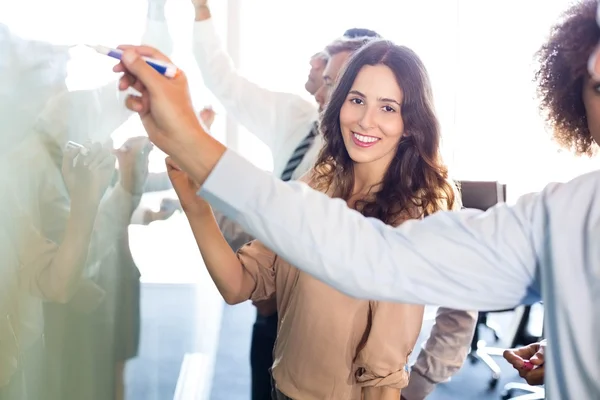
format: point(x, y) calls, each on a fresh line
point(345, 44)
point(353, 33)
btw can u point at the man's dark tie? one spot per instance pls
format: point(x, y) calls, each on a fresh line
point(298, 154)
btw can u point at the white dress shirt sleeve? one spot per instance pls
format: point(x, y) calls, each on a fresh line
point(463, 260)
point(270, 115)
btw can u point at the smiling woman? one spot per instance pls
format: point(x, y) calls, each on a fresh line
point(369, 120)
point(382, 137)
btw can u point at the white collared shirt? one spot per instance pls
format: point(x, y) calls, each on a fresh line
point(545, 246)
point(280, 120)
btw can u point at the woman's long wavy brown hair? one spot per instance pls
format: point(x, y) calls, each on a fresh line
point(416, 179)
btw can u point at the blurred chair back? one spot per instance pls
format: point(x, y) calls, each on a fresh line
point(481, 194)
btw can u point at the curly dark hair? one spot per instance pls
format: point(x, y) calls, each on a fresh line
point(562, 74)
point(416, 182)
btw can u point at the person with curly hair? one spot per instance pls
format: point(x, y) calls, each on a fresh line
point(569, 97)
point(570, 102)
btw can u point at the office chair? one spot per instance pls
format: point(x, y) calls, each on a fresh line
point(483, 195)
point(530, 392)
point(517, 335)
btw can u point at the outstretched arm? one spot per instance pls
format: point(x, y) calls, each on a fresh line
point(465, 260)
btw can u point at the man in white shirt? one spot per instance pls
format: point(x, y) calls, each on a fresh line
point(545, 246)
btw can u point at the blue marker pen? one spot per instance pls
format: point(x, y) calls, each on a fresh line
point(166, 69)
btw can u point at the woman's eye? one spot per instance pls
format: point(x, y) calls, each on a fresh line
point(356, 101)
point(388, 109)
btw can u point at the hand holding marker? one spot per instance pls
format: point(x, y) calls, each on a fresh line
point(167, 69)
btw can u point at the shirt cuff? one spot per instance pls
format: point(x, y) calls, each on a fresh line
point(230, 179)
point(419, 387)
point(396, 380)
